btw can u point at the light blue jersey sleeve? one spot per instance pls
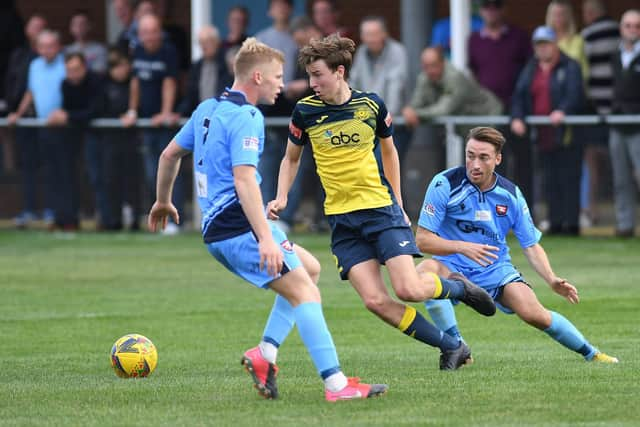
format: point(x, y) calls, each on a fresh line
point(434, 208)
point(246, 137)
point(186, 135)
point(523, 227)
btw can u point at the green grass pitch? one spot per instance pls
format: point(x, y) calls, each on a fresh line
point(65, 300)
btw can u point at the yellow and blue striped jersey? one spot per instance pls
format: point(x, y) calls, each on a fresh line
point(343, 138)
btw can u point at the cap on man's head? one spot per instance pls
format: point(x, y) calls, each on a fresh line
point(543, 34)
point(489, 3)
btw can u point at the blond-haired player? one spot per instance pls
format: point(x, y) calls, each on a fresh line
point(226, 136)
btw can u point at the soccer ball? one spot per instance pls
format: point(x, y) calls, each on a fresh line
point(133, 356)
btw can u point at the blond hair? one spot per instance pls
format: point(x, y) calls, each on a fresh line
point(568, 9)
point(252, 53)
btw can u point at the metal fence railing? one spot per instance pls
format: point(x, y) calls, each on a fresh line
point(454, 142)
point(454, 148)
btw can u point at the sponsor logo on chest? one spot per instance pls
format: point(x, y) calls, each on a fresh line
point(483, 216)
point(342, 138)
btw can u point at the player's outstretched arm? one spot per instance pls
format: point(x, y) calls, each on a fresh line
point(429, 242)
point(168, 167)
point(244, 178)
point(539, 260)
point(288, 171)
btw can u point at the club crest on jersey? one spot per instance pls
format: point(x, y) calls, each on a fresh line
point(483, 216)
point(501, 210)
point(287, 246)
point(250, 143)
point(361, 114)
point(429, 209)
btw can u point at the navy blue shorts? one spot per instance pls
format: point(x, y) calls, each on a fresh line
point(379, 233)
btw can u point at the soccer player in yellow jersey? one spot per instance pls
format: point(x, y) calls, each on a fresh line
point(363, 202)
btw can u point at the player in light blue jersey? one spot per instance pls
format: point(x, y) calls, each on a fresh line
point(226, 137)
point(466, 216)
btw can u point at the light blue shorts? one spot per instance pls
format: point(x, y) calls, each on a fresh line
point(492, 278)
point(240, 255)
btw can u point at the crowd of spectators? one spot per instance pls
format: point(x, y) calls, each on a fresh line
point(557, 71)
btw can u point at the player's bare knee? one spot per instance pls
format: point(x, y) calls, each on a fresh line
point(410, 292)
point(314, 293)
point(313, 268)
point(306, 292)
point(377, 304)
point(428, 266)
point(297, 287)
point(539, 319)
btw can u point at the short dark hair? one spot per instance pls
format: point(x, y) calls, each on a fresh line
point(117, 56)
point(289, 2)
point(333, 49)
point(81, 12)
point(243, 10)
point(71, 55)
point(332, 3)
point(488, 135)
point(486, 3)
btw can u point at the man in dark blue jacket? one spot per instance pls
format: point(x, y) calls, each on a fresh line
point(81, 102)
point(153, 91)
point(551, 85)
